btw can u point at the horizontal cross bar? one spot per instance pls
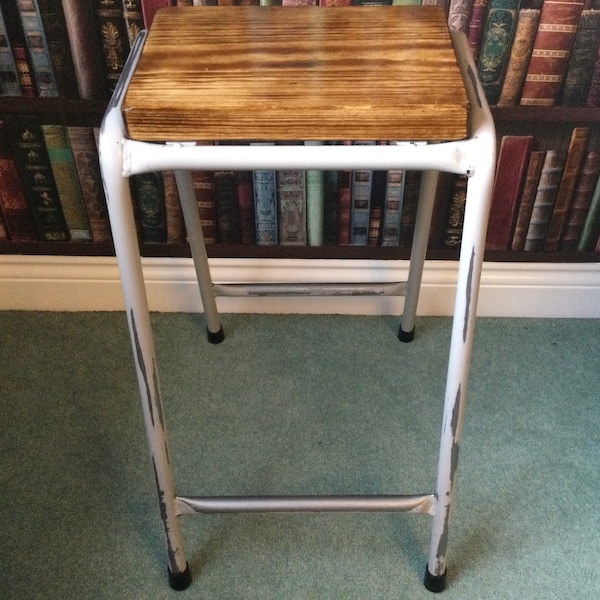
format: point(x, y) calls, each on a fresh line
point(261, 504)
point(310, 289)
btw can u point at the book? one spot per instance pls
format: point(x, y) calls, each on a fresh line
point(37, 48)
point(114, 41)
point(498, 33)
point(203, 183)
point(593, 94)
point(9, 78)
point(63, 168)
point(573, 162)
point(376, 211)
point(134, 18)
point(456, 212)
point(18, 45)
point(330, 207)
point(392, 208)
point(291, 202)
point(13, 204)
point(532, 180)
point(520, 53)
point(583, 57)
point(149, 8)
point(441, 203)
point(362, 181)
point(173, 212)
point(513, 158)
point(590, 232)
point(265, 205)
point(551, 52)
point(544, 200)
point(226, 199)
point(315, 204)
point(475, 29)
point(412, 188)
point(459, 13)
point(149, 201)
point(83, 146)
point(344, 207)
point(57, 40)
point(85, 48)
point(582, 199)
point(33, 165)
point(245, 195)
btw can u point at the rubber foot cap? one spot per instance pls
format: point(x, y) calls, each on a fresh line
point(215, 337)
point(180, 581)
point(406, 336)
point(434, 583)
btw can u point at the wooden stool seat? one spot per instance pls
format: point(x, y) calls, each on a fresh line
point(297, 73)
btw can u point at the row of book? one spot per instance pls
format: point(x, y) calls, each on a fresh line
point(545, 198)
point(534, 52)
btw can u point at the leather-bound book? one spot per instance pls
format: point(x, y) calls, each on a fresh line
point(291, 203)
point(551, 52)
point(226, 201)
point(173, 212)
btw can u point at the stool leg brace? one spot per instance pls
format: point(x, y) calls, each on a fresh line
point(475, 157)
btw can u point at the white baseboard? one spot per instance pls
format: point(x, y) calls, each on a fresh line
point(74, 283)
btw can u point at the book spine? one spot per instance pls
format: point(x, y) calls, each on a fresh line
point(520, 53)
point(315, 204)
point(35, 172)
point(37, 48)
point(67, 182)
point(476, 24)
point(9, 78)
point(583, 56)
point(245, 195)
point(173, 212)
point(330, 207)
point(362, 181)
point(134, 18)
point(112, 34)
point(513, 158)
point(593, 95)
point(581, 201)
point(149, 198)
point(344, 207)
point(532, 179)
point(412, 187)
point(85, 48)
point(496, 43)
point(376, 210)
point(228, 218)
point(83, 146)
point(575, 156)
point(456, 212)
point(291, 201)
point(17, 218)
point(57, 39)
point(204, 189)
point(16, 36)
point(590, 232)
point(392, 208)
point(544, 200)
point(551, 51)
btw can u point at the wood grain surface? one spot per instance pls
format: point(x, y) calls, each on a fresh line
point(297, 73)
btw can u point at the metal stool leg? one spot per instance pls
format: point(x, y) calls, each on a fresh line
point(469, 274)
point(132, 280)
point(406, 332)
point(198, 248)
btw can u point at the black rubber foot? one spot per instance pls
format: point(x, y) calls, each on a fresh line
point(406, 336)
point(181, 581)
point(215, 337)
point(434, 583)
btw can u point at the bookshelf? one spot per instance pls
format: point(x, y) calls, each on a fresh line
point(510, 120)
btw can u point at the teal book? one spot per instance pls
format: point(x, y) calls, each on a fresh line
point(265, 206)
point(9, 79)
point(149, 199)
point(496, 42)
point(315, 204)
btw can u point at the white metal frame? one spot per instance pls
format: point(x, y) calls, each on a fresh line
point(475, 157)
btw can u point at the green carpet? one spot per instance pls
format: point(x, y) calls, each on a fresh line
point(294, 404)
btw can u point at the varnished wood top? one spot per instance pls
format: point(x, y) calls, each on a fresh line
point(297, 73)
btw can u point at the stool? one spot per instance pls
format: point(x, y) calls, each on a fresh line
point(300, 73)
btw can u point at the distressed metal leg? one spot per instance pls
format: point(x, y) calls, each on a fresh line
point(406, 332)
point(198, 248)
point(126, 247)
point(469, 274)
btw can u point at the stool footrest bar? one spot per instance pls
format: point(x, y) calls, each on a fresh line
point(310, 289)
point(261, 504)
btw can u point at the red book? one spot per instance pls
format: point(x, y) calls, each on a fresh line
point(513, 159)
point(149, 8)
point(551, 52)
